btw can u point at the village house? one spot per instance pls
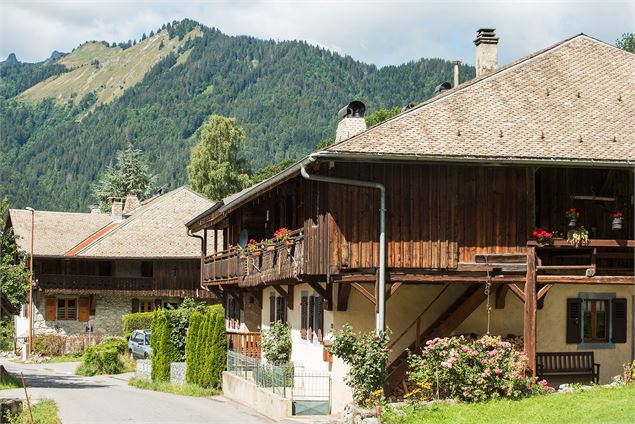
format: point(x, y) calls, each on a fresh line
point(92, 268)
point(430, 214)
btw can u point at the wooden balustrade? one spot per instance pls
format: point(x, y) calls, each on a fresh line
point(248, 344)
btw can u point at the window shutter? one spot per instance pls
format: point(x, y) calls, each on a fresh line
point(157, 303)
point(50, 308)
point(83, 306)
point(574, 320)
point(93, 304)
point(619, 320)
point(135, 305)
point(303, 316)
point(319, 306)
point(272, 308)
point(311, 327)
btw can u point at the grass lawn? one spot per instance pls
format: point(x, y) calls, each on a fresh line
point(44, 412)
point(600, 405)
point(8, 381)
point(184, 390)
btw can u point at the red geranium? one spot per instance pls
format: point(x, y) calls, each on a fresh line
point(617, 214)
point(542, 234)
point(572, 213)
point(282, 234)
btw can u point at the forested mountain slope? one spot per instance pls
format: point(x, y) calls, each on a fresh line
point(62, 120)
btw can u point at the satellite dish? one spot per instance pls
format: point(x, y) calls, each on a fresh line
point(243, 238)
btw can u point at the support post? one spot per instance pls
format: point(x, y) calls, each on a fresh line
point(530, 310)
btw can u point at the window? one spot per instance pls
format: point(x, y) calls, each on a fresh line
point(146, 269)
point(66, 309)
point(595, 322)
point(311, 316)
point(277, 308)
point(232, 312)
point(146, 306)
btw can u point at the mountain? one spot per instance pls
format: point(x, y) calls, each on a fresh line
point(63, 119)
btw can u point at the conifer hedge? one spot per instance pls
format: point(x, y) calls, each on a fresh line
point(164, 350)
point(206, 349)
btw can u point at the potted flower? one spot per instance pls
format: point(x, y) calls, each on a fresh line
point(268, 245)
point(618, 220)
point(542, 235)
point(283, 235)
point(572, 216)
point(242, 254)
point(254, 247)
point(578, 237)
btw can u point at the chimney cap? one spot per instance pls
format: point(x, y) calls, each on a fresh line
point(354, 109)
point(486, 36)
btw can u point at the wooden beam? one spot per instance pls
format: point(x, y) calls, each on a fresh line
point(439, 278)
point(543, 291)
point(581, 279)
point(501, 293)
point(288, 294)
point(326, 293)
point(529, 327)
point(343, 293)
point(517, 291)
point(368, 295)
point(392, 290)
point(591, 243)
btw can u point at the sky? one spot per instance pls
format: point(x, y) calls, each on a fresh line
point(379, 32)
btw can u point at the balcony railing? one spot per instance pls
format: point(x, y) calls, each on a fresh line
point(248, 344)
point(94, 282)
point(284, 261)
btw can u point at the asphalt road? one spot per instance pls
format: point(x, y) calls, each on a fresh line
point(109, 399)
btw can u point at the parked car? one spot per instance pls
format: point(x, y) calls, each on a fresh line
point(139, 344)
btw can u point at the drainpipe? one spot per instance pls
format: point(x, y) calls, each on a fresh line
point(380, 321)
point(203, 253)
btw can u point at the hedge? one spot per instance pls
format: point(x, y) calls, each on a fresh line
point(136, 321)
point(164, 350)
point(206, 354)
point(104, 358)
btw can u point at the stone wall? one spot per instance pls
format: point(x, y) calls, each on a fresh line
point(177, 372)
point(106, 321)
point(144, 368)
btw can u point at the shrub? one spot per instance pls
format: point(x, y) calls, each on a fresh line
point(164, 351)
point(366, 354)
point(104, 358)
point(472, 370)
point(136, 321)
point(629, 373)
point(6, 334)
point(206, 354)
point(52, 345)
point(276, 343)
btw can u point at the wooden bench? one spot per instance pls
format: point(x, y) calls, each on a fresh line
point(567, 363)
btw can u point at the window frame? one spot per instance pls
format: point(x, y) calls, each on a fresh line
point(65, 309)
point(600, 344)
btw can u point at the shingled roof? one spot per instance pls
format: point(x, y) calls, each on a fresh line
point(153, 230)
point(55, 232)
point(574, 101)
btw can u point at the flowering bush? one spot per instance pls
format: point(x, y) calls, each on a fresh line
point(366, 354)
point(276, 343)
point(542, 235)
point(473, 371)
point(282, 234)
point(572, 214)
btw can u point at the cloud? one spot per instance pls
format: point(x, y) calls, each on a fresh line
point(379, 32)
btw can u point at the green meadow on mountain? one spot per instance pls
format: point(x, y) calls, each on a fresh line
point(63, 119)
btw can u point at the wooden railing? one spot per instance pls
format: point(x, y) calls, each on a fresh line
point(248, 344)
point(284, 261)
point(94, 282)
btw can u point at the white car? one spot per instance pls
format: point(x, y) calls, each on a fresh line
point(139, 344)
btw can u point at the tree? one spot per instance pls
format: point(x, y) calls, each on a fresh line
point(14, 274)
point(130, 175)
point(324, 143)
point(627, 42)
point(215, 168)
point(381, 115)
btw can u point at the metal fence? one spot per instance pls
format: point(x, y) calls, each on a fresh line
point(287, 381)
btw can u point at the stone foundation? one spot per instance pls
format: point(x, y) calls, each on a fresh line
point(177, 373)
point(144, 369)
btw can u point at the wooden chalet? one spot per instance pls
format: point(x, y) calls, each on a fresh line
point(95, 267)
point(468, 175)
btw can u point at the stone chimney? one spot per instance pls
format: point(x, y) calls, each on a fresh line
point(351, 121)
point(117, 209)
point(486, 51)
point(132, 202)
point(94, 209)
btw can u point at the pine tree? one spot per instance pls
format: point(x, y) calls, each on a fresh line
point(130, 175)
point(215, 168)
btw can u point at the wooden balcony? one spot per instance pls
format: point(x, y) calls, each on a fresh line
point(282, 263)
point(248, 344)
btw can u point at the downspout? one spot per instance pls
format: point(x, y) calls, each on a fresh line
point(203, 253)
point(380, 319)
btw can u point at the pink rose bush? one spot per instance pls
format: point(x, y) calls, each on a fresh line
point(473, 370)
